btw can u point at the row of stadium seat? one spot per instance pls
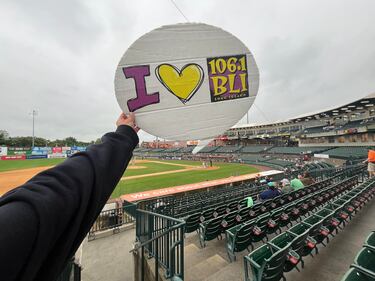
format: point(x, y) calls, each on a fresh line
point(182, 206)
point(286, 251)
point(211, 220)
point(363, 267)
point(213, 228)
point(254, 230)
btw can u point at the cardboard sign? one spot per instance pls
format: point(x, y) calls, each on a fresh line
point(187, 81)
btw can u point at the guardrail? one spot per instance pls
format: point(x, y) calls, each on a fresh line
point(162, 238)
point(111, 219)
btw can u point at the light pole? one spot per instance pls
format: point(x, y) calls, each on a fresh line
point(34, 113)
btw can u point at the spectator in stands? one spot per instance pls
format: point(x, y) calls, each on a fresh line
point(249, 201)
point(270, 193)
point(307, 179)
point(285, 186)
point(296, 183)
point(371, 163)
point(43, 222)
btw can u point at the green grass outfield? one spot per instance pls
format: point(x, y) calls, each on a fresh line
point(9, 165)
point(148, 183)
point(153, 182)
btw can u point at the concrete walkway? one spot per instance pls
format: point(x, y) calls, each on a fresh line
point(108, 258)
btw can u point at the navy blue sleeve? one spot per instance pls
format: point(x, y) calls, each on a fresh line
point(47, 218)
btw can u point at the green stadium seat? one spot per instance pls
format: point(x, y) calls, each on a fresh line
point(273, 225)
point(228, 221)
point(365, 259)
point(266, 263)
point(296, 244)
point(317, 230)
point(329, 221)
point(192, 222)
point(259, 231)
point(238, 239)
point(354, 274)
point(209, 230)
point(370, 241)
point(243, 215)
point(310, 243)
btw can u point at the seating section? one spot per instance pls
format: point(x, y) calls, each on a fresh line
point(188, 149)
point(172, 150)
point(228, 149)
point(348, 152)
point(363, 267)
point(281, 163)
point(296, 205)
point(286, 251)
point(203, 202)
point(208, 149)
point(254, 148)
point(296, 150)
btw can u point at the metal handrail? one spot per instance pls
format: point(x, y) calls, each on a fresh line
point(137, 247)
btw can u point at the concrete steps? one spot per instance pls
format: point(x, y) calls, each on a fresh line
point(204, 269)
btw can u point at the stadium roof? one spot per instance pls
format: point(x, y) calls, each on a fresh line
point(348, 109)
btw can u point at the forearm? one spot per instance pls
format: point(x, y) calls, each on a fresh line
point(66, 199)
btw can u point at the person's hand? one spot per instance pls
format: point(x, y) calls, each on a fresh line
point(128, 120)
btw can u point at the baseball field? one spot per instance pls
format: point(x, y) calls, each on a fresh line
point(141, 175)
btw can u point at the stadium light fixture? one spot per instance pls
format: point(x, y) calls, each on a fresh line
point(344, 108)
point(359, 107)
point(369, 105)
point(365, 101)
point(33, 114)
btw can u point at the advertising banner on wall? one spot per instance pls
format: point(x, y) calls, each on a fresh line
point(13, 157)
point(3, 150)
point(56, 150)
point(41, 150)
point(57, 155)
point(36, 156)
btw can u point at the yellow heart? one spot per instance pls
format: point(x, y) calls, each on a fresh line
point(182, 83)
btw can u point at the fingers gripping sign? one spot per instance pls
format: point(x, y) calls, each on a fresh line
point(128, 120)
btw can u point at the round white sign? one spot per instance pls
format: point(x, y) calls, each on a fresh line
point(187, 81)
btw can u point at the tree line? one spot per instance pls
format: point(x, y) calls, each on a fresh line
point(6, 140)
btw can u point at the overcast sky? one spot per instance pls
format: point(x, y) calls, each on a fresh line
point(59, 57)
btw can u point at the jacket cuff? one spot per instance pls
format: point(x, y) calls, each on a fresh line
point(129, 132)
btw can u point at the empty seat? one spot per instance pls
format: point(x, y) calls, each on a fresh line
point(228, 221)
point(238, 239)
point(209, 230)
point(354, 274)
point(366, 259)
point(192, 222)
point(259, 231)
point(296, 243)
point(370, 240)
point(310, 243)
point(266, 263)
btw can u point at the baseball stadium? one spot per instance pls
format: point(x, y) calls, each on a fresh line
point(182, 212)
point(187, 140)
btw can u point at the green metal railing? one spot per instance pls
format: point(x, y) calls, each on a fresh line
point(162, 238)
